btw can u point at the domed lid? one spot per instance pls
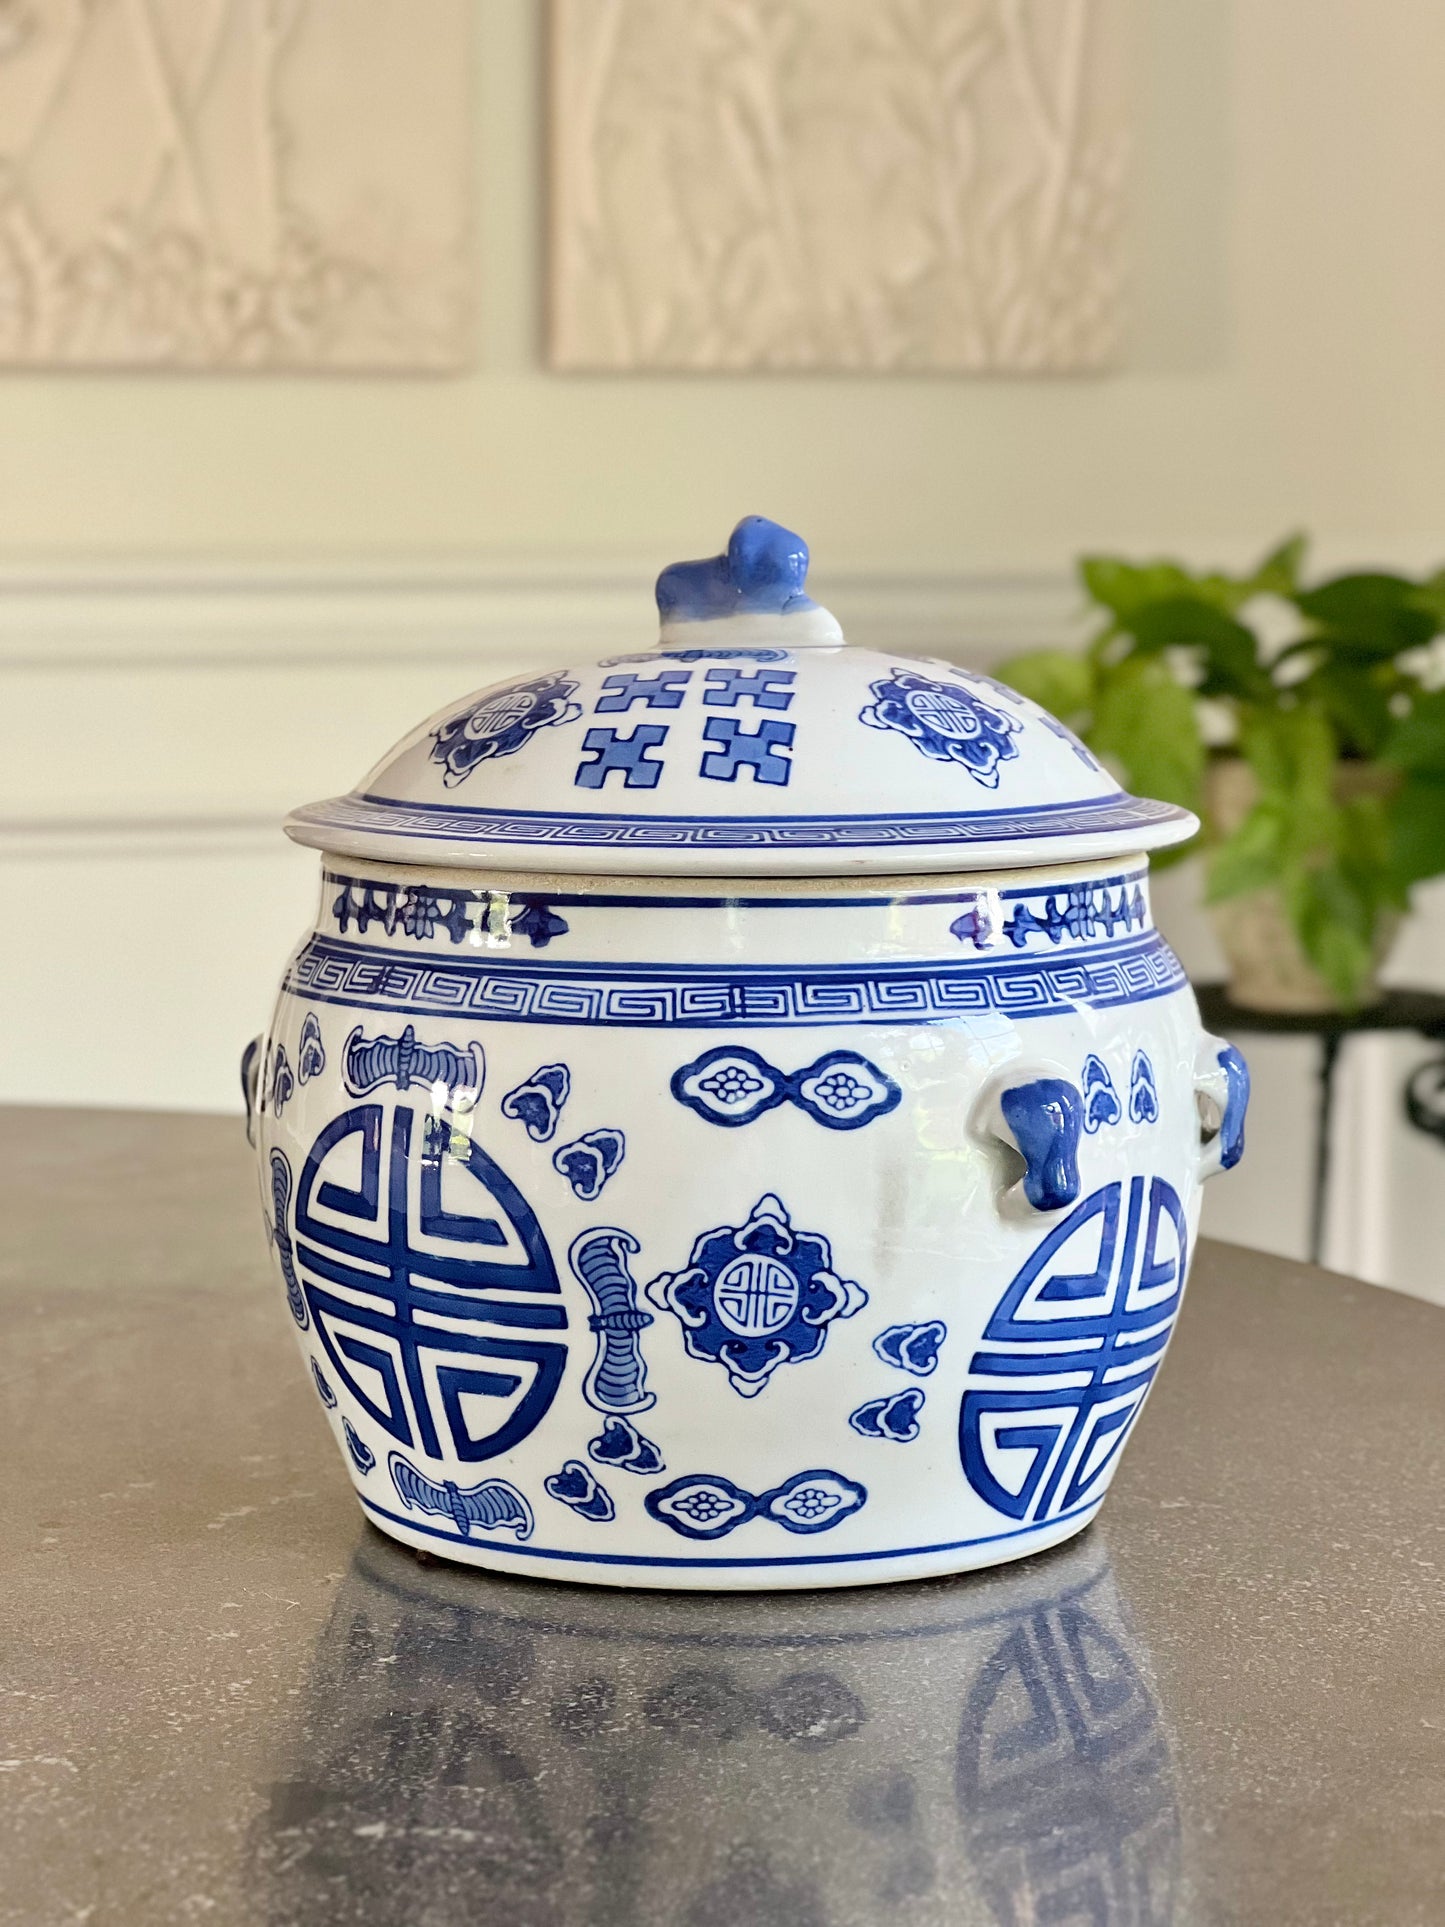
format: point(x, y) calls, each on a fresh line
point(751, 740)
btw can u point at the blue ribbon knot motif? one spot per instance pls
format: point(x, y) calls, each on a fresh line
point(429, 1282)
point(705, 1505)
point(1069, 1355)
point(733, 1085)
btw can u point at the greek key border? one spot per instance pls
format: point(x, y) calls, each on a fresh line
point(435, 822)
point(702, 997)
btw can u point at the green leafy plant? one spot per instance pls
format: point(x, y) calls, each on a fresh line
point(1340, 722)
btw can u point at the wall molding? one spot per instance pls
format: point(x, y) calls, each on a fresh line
point(195, 702)
point(206, 615)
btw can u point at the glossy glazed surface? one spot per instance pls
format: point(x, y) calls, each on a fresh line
point(230, 1701)
point(785, 1236)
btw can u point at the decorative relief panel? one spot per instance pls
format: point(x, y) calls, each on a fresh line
point(234, 183)
point(836, 184)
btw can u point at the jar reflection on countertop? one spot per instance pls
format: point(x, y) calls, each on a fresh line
point(496, 1749)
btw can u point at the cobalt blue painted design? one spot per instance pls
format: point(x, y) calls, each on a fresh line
point(732, 1085)
point(706, 997)
point(278, 1231)
point(1231, 1129)
point(537, 1102)
point(704, 1505)
point(594, 829)
point(696, 655)
point(620, 1443)
point(912, 1348)
point(409, 1223)
point(283, 1083)
point(1072, 1349)
point(945, 722)
point(311, 1053)
point(1101, 1100)
point(323, 1388)
point(763, 688)
point(502, 722)
point(416, 911)
point(576, 1485)
point(974, 925)
point(624, 751)
point(359, 1452)
point(617, 1379)
point(759, 751)
point(371, 1062)
point(756, 1296)
point(589, 1161)
point(762, 572)
point(492, 1506)
point(537, 922)
point(1082, 911)
point(665, 690)
point(894, 1417)
point(1046, 1117)
point(1143, 1097)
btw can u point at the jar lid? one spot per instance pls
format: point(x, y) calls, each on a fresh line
point(751, 740)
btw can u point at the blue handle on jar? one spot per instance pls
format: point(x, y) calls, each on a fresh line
point(1221, 1088)
point(1045, 1118)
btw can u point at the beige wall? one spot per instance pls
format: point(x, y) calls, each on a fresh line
point(220, 596)
point(1287, 366)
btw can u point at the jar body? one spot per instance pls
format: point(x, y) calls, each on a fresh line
point(696, 1236)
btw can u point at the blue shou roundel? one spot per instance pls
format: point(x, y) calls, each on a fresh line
point(432, 1317)
point(1040, 1427)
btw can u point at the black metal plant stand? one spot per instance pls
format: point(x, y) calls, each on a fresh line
point(1421, 1011)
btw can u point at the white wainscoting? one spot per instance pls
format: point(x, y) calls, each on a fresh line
point(156, 723)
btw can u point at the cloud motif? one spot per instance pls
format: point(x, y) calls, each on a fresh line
point(537, 1102)
point(362, 1456)
point(590, 1160)
point(576, 1486)
point(311, 1054)
point(1143, 1098)
point(912, 1348)
point(1101, 1100)
point(621, 1444)
point(894, 1417)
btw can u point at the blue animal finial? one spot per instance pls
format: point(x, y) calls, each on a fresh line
point(762, 573)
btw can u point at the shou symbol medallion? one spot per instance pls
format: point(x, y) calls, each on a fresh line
point(732, 1085)
point(704, 1505)
point(493, 1506)
point(372, 1062)
point(945, 722)
point(617, 1380)
point(757, 1295)
point(501, 723)
point(1069, 1355)
point(429, 1281)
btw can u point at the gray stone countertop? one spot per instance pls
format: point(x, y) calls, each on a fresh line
point(227, 1699)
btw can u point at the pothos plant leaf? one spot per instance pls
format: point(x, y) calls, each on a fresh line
point(1350, 689)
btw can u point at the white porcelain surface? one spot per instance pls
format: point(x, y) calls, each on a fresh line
point(783, 1171)
point(935, 999)
point(750, 741)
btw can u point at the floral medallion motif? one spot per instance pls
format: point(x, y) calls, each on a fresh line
point(944, 721)
point(503, 722)
point(756, 1296)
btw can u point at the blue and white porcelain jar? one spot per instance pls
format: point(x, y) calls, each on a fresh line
point(734, 1123)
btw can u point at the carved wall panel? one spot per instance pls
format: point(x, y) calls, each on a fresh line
point(836, 184)
point(234, 183)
